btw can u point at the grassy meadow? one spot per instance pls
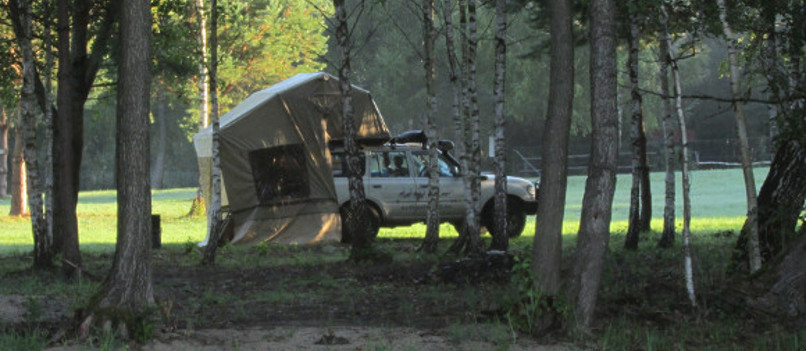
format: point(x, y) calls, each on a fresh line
point(718, 204)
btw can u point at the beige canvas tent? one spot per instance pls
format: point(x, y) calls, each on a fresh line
point(276, 175)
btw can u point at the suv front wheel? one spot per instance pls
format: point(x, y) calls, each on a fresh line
point(373, 223)
point(516, 217)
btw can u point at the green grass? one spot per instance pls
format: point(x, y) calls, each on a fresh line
point(718, 203)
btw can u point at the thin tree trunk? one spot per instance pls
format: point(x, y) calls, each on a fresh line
point(42, 243)
point(432, 220)
point(198, 204)
point(645, 223)
point(634, 226)
point(214, 207)
point(744, 145)
point(3, 153)
point(667, 237)
point(687, 259)
point(48, 112)
point(158, 169)
point(547, 245)
point(473, 134)
point(500, 235)
point(594, 228)
point(19, 187)
point(456, 88)
point(128, 292)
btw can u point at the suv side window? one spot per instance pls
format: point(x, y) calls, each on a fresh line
point(339, 163)
point(447, 168)
point(391, 164)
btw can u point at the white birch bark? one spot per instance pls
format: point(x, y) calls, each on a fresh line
point(42, 244)
point(754, 253)
point(500, 235)
point(214, 208)
point(669, 127)
point(687, 260)
point(473, 132)
point(432, 220)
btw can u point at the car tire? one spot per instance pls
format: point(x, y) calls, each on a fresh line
point(516, 217)
point(373, 227)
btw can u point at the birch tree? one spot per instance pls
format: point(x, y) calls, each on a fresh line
point(637, 135)
point(357, 218)
point(499, 232)
point(686, 182)
point(42, 242)
point(127, 294)
point(214, 207)
point(744, 146)
point(594, 227)
point(669, 127)
point(198, 204)
point(429, 38)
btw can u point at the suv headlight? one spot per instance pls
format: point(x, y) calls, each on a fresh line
point(531, 190)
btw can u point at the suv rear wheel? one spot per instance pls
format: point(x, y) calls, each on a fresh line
point(373, 223)
point(516, 217)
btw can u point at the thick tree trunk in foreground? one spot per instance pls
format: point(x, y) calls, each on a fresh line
point(780, 288)
point(547, 246)
point(500, 235)
point(432, 220)
point(780, 203)
point(669, 127)
point(744, 146)
point(594, 228)
point(127, 294)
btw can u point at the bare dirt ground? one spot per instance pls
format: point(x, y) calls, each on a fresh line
point(304, 299)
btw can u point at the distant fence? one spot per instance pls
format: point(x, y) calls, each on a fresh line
point(705, 154)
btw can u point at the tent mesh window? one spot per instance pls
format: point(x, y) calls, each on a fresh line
point(279, 173)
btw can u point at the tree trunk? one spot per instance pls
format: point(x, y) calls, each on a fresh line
point(645, 223)
point(667, 237)
point(634, 226)
point(432, 220)
point(500, 235)
point(214, 207)
point(780, 288)
point(158, 169)
point(48, 126)
point(687, 259)
point(19, 187)
point(547, 245)
point(357, 218)
point(744, 145)
point(128, 292)
point(198, 205)
point(594, 228)
point(458, 104)
point(76, 74)
point(3, 153)
point(472, 135)
point(42, 243)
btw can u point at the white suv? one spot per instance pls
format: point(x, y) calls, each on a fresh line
point(396, 187)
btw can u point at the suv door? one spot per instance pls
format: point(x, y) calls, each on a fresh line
point(391, 184)
point(451, 196)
